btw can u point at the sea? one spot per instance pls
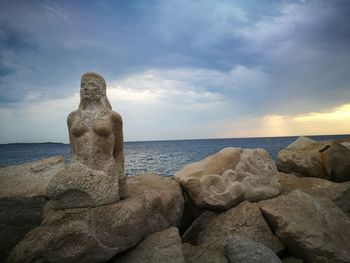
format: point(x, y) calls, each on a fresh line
point(161, 157)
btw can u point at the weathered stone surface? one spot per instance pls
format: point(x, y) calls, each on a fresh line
point(224, 179)
point(242, 250)
point(305, 157)
point(246, 220)
point(292, 260)
point(201, 254)
point(18, 215)
point(98, 233)
point(312, 228)
point(339, 193)
point(22, 190)
point(29, 179)
point(96, 173)
point(165, 246)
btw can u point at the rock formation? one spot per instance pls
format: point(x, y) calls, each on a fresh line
point(305, 157)
point(22, 198)
point(211, 230)
point(97, 234)
point(312, 228)
point(230, 176)
point(96, 173)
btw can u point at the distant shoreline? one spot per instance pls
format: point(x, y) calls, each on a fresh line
point(21, 143)
point(186, 139)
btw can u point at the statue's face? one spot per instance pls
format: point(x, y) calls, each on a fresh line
point(91, 90)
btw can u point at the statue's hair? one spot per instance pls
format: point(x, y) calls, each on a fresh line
point(99, 79)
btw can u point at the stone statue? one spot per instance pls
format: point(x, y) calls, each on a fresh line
point(95, 175)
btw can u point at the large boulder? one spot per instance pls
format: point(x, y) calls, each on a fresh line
point(241, 250)
point(305, 157)
point(312, 228)
point(18, 215)
point(211, 230)
point(164, 246)
point(29, 179)
point(230, 176)
point(22, 198)
point(98, 233)
point(201, 254)
point(339, 193)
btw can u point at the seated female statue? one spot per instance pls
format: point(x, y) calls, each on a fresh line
point(95, 175)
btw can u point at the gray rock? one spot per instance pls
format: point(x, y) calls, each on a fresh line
point(211, 230)
point(312, 228)
point(230, 176)
point(98, 233)
point(292, 260)
point(305, 157)
point(339, 193)
point(22, 190)
point(18, 215)
point(201, 254)
point(29, 179)
point(242, 250)
point(96, 173)
point(165, 246)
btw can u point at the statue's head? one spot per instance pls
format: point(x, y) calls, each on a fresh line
point(93, 89)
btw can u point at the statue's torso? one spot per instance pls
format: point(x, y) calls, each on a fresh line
point(92, 135)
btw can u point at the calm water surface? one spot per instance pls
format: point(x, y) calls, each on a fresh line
point(163, 157)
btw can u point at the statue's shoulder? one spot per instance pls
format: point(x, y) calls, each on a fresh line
point(116, 117)
point(71, 116)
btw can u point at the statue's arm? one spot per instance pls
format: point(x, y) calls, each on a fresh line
point(118, 151)
point(70, 119)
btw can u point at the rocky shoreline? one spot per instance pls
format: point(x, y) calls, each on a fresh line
point(233, 206)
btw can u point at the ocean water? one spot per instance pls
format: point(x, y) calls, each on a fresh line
point(162, 157)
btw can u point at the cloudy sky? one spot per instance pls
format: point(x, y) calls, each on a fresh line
point(178, 69)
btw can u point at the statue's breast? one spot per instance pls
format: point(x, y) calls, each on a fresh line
point(102, 127)
point(78, 130)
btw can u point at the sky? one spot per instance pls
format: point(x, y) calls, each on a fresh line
point(177, 69)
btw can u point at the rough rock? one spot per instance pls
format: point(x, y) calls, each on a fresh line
point(18, 215)
point(230, 176)
point(95, 175)
point(201, 254)
point(29, 179)
point(22, 190)
point(312, 228)
point(165, 246)
point(292, 260)
point(246, 220)
point(98, 233)
point(346, 144)
point(242, 250)
point(339, 193)
point(305, 157)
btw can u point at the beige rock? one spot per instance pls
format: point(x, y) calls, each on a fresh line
point(98, 233)
point(312, 228)
point(211, 230)
point(305, 157)
point(201, 254)
point(96, 174)
point(29, 179)
point(165, 246)
point(224, 179)
point(339, 193)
